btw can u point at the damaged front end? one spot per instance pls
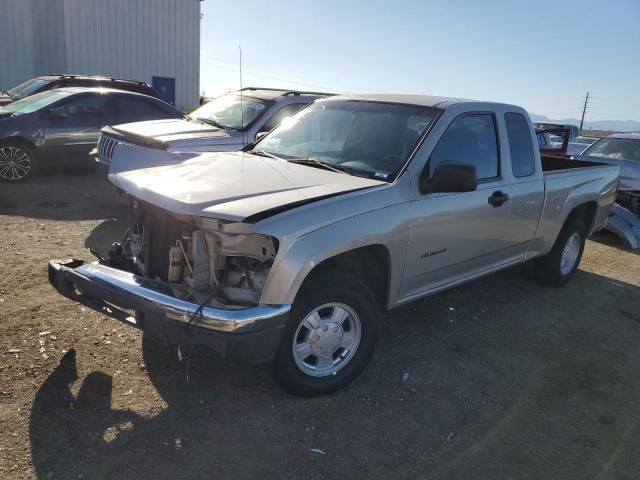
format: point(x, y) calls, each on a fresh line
point(182, 274)
point(624, 219)
point(198, 259)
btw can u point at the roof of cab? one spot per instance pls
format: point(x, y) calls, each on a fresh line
point(421, 100)
point(273, 93)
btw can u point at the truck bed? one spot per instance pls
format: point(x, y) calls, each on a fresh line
point(557, 164)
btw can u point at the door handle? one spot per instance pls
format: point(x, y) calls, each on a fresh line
point(497, 198)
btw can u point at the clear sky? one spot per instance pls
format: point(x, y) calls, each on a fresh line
point(543, 55)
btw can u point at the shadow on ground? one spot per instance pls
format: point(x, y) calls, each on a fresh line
point(501, 378)
point(73, 195)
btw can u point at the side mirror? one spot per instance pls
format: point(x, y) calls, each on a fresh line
point(260, 136)
point(449, 177)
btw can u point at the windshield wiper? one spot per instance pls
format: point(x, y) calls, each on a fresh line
point(262, 153)
point(213, 123)
point(318, 164)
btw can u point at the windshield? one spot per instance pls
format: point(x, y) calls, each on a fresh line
point(230, 111)
point(27, 88)
point(34, 102)
point(362, 138)
point(620, 148)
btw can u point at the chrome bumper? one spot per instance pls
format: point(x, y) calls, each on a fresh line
point(130, 291)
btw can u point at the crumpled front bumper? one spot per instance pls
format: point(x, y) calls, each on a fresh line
point(249, 335)
point(625, 225)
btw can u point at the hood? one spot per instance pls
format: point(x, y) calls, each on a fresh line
point(180, 131)
point(629, 170)
point(233, 186)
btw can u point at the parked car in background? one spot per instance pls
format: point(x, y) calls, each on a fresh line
point(49, 82)
point(59, 127)
point(550, 146)
point(622, 150)
point(574, 131)
point(579, 144)
point(226, 123)
point(291, 250)
point(544, 138)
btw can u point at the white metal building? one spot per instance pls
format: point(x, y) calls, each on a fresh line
point(157, 41)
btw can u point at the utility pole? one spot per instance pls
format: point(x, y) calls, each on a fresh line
point(584, 109)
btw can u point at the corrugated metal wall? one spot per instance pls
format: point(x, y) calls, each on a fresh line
point(16, 43)
point(135, 39)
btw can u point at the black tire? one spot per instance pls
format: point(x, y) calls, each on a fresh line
point(338, 287)
point(26, 158)
point(549, 269)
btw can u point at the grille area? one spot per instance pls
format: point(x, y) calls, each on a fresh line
point(106, 145)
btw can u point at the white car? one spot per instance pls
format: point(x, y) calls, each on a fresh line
point(227, 123)
point(579, 144)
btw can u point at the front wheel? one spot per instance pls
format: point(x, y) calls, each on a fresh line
point(330, 337)
point(560, 264)
point(17, 162)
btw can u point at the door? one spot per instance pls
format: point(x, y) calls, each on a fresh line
point(457, 235)
point(73, 127)
point(527, 187)
point(166, 88)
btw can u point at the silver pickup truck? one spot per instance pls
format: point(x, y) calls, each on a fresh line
point(292, 250)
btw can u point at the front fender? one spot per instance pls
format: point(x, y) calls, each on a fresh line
point(387, 226)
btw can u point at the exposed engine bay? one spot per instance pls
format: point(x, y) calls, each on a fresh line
point(199, 259)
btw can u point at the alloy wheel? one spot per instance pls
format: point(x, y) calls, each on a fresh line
point(15, 163)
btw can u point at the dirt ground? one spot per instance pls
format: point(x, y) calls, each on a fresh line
point(501, 378)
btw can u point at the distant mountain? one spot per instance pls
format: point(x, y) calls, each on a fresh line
point(615, 125)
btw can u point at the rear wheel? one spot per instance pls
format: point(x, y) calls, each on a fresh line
point(560, 264)
point(330, 337)
point(17, 162)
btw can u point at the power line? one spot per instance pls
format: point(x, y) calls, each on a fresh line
point(273, 72)
point(273, 75)
point(270, 77)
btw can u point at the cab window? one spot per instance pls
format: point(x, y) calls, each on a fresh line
point(520, 144)
point(470, 139)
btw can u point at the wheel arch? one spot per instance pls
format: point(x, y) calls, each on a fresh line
point(20, 141)
point(371, 264)
point(586, 212)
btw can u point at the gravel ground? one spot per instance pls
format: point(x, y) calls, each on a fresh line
point(501, 378)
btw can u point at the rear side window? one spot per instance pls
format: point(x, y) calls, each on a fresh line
point(135, 109)
point(470, 139)
point(520, 145)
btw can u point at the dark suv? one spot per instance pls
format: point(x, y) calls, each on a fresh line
point(48, 82)
point(60, 127)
